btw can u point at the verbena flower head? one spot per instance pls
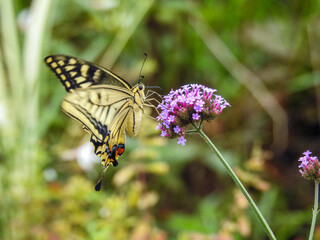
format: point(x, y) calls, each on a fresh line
point(192, 103)
point(309, 167)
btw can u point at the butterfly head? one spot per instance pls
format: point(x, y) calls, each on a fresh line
point(138, 93)
point(141, 87)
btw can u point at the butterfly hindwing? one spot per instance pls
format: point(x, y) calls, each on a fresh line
point(108, 141)
point(96, 107)
point(76, 73)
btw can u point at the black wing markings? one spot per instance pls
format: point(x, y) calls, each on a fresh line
point(68, 69)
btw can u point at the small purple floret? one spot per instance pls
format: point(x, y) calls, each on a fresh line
point(195, 116)
point(182, 141)
point(176, 129)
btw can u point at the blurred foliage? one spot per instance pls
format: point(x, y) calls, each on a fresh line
point(262, 56)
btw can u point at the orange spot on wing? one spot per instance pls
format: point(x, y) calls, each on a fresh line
point(120, 151)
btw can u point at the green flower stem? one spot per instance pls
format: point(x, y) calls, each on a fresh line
point(238, 183)
point(315, 209)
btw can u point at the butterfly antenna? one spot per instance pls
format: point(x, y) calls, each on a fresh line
point(99, 183)
point(153, 87)
point(140, 76)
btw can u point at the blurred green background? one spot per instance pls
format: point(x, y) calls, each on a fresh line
point(262, 56)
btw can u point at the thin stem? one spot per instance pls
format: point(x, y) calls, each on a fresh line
point(315, 209)
point(238, 183)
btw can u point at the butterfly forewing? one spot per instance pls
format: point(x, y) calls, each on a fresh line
point(77, 73)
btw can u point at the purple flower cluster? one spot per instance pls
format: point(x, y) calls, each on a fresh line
point(192, 103)
point(309, 167)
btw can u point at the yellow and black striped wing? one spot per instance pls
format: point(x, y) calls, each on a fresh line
point(76, 73)
point(104, 112)
point(114, 143)
point(96, 107)
point(119, 123)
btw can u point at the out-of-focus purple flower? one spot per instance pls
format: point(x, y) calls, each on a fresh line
point(192, 103)
point(309, 167)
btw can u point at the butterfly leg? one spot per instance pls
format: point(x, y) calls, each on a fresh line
point(150, 93)
point(148, 104)
point(149, 100)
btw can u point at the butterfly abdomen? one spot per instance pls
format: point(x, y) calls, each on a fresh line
point(134, 117)
point(134, 121)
